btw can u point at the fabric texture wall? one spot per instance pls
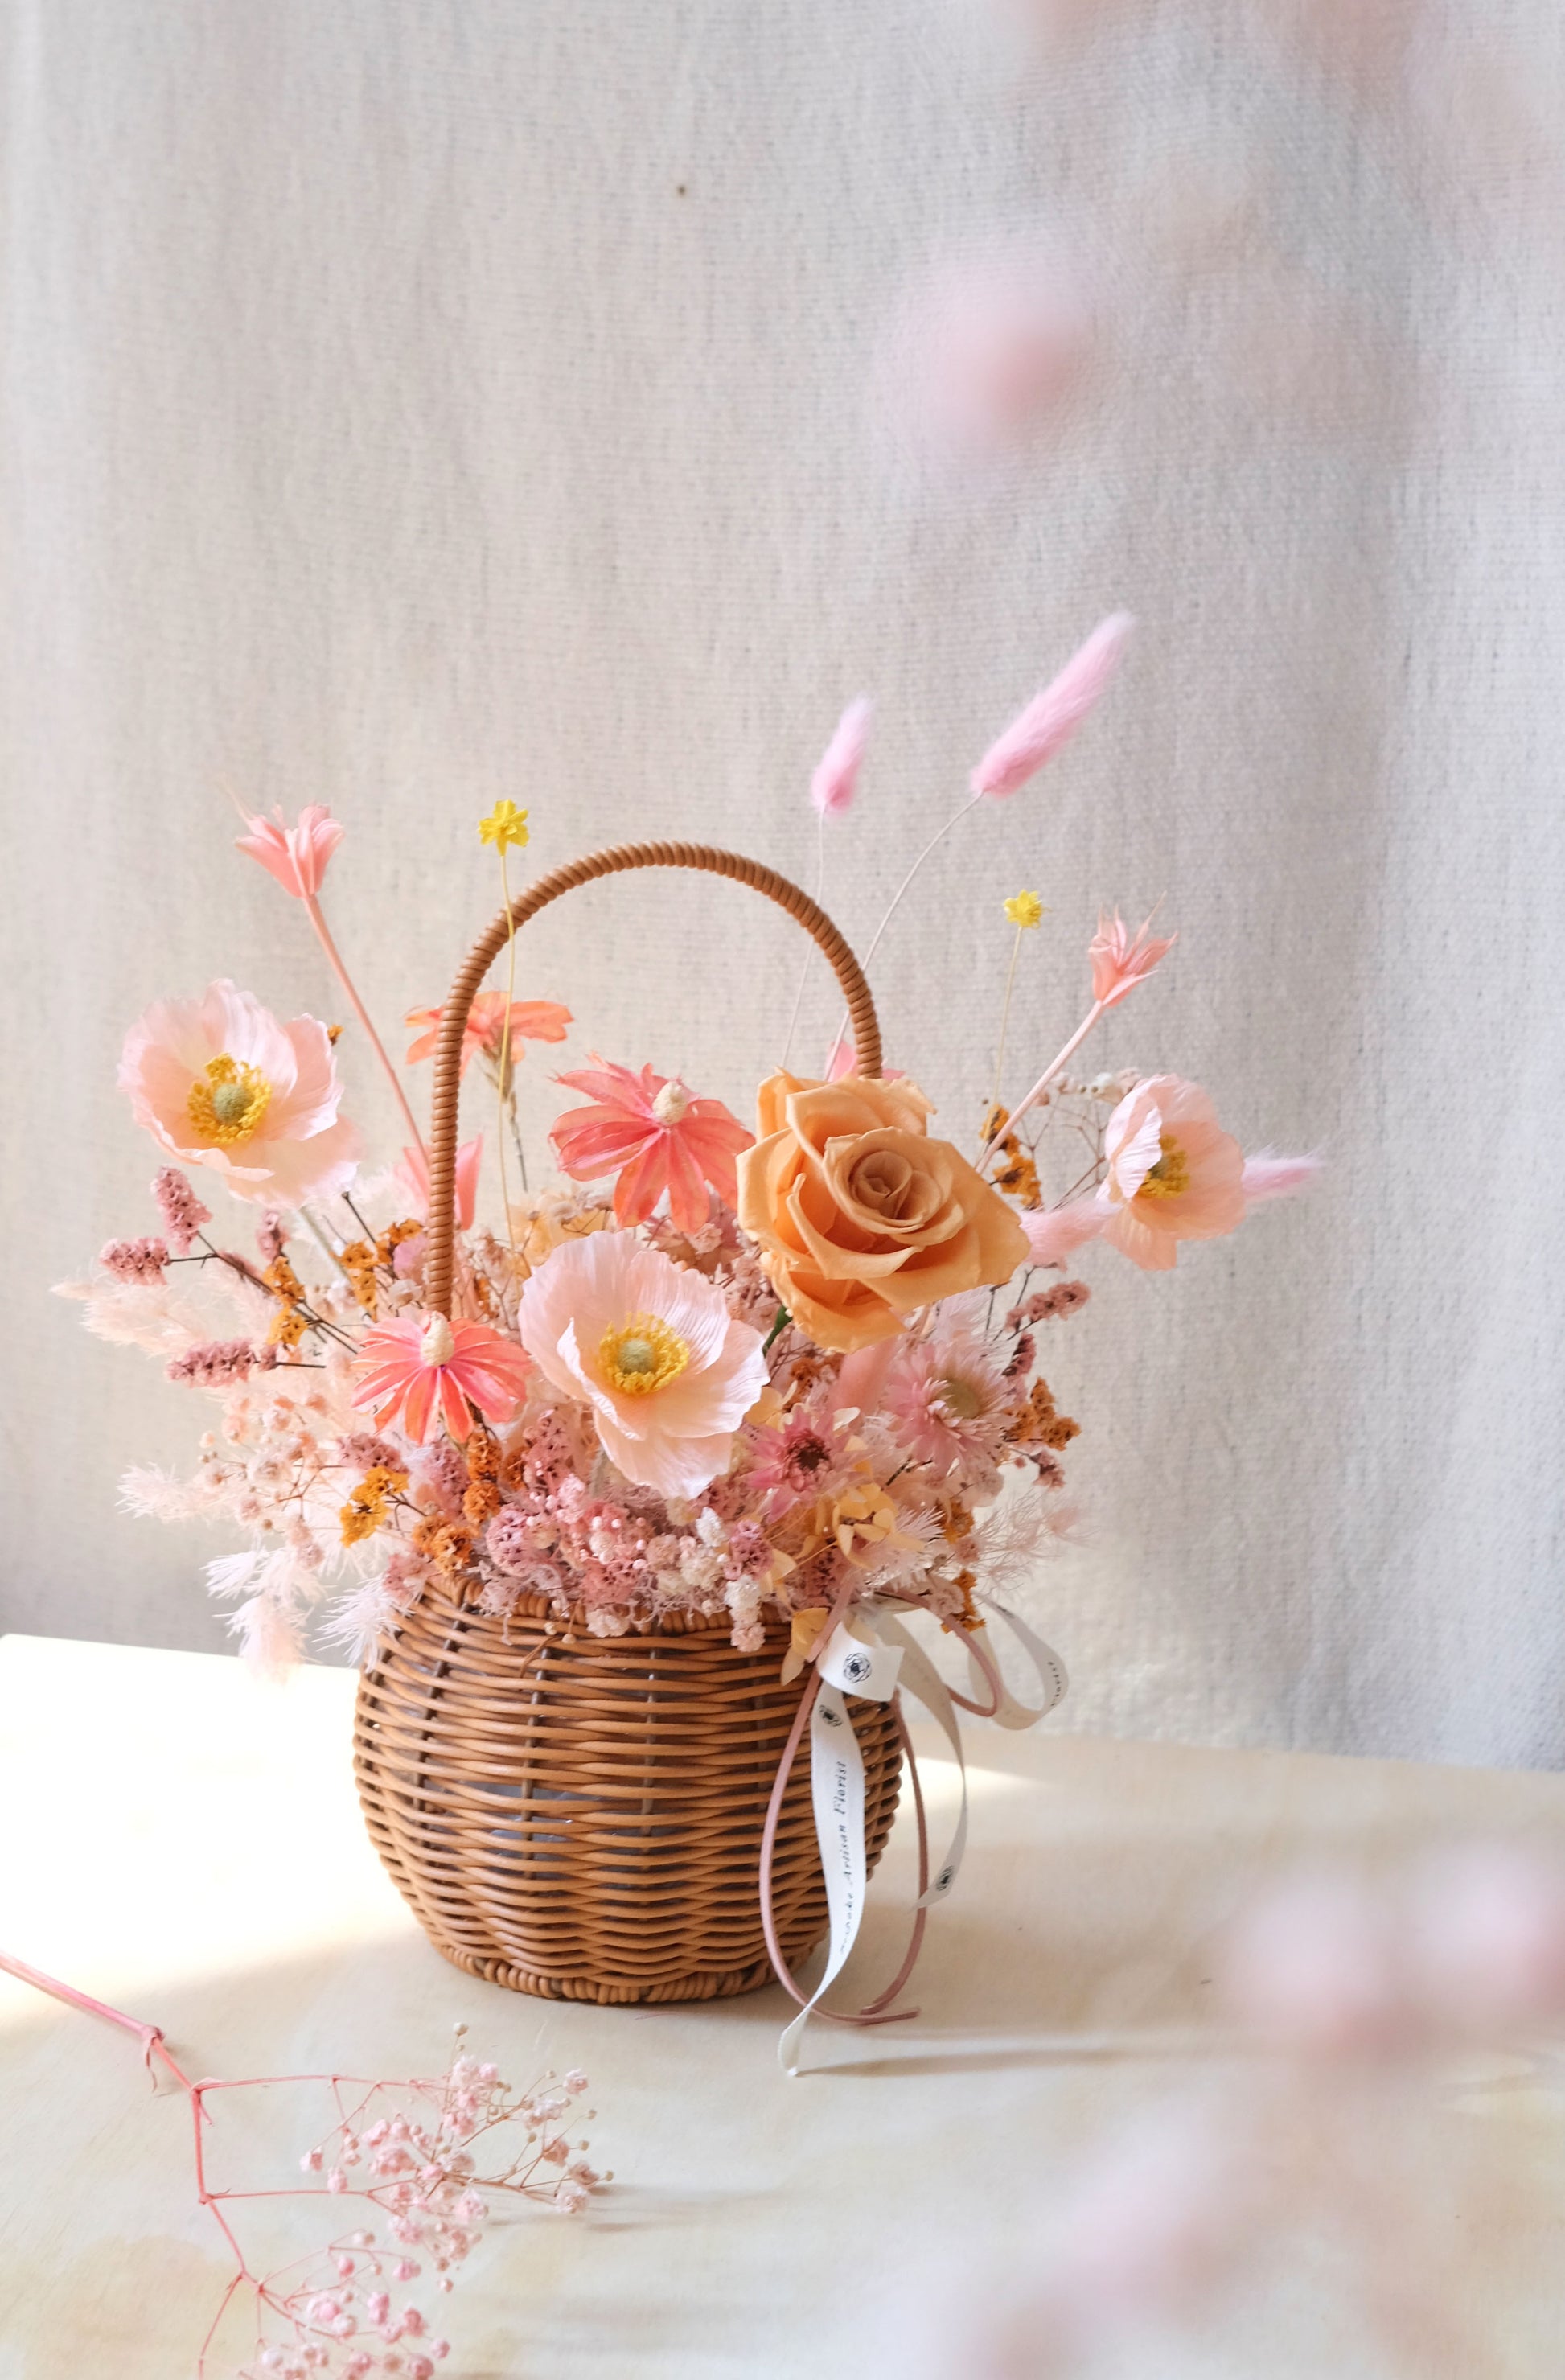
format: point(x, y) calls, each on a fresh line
point(407, 406)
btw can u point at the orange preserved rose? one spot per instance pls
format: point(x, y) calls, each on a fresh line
point(861, 1218)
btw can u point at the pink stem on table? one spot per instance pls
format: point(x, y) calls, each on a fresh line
point(323, 932)
point(149, 2035)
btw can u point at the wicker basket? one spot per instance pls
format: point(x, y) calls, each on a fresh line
point(581, 1816)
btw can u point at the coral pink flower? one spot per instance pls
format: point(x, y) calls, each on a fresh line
point(1053, 717)
point(1173, 1172)
point(1119, 961)
point(648, 1130)
point(835, 781)
point(295, 856)
point(652, 1349)
point(531, 1020)
point(408, 1365)
point(218, 1082)
point(413, 1176)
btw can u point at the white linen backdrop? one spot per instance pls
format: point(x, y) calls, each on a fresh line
point(411, 405)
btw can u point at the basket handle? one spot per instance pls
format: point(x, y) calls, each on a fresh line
point(614, 862)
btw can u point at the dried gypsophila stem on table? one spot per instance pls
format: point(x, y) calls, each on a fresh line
point(408, 2150)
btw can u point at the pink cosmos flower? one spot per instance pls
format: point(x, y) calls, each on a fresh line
point(1053, 717)
point(410, 1364)
point(413, 1176)
point(835, 781)
point(531, 1020)
point(1173, 1172)
point(295, 856)
point(1119, 961)
point(219, 1082)
point(947, 1401)
point(648, 1130)
point(652, 1349)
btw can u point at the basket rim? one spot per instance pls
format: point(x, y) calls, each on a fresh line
point(534, 1605)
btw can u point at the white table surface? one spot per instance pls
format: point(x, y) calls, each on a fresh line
point(185, 1841)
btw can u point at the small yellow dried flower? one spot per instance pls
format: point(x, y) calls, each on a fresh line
point(288, 1327)
point(369, 1505)
point(1025, 909)
point(505, 827)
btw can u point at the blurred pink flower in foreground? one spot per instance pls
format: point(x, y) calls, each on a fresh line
point(1326, 2117)
point(410, 1365)
point(651, 1132)
point(295, 856)
point(1053, 717)
point(835, 778)
point(219, 1082)
point(1120, 960)
point(986, 352)
point(1173, 1174)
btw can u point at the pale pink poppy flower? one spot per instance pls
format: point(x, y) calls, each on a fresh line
point(1121, 960)
point(652, 1349)
point(835, 781)
point(1052, 718)
point(651, 1132)
point(295, 856)
point(410, 1366)
point(413, 1176)
point(531, 1020)
point(1173, 1174)
point(219, 1082)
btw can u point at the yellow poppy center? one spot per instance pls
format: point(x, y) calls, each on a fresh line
point(1170, 1175)
point(641, 1354)
point(229, 1104)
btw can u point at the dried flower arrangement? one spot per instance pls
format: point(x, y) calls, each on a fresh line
point(789, 1379)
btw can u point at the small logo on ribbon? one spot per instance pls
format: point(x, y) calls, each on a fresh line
point(829, 1717)
point(857, 1668)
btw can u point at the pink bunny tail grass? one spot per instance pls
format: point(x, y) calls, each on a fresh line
point(1267, 1175)
point(1053, 1233)
point(835, 781)
point(1052, 718)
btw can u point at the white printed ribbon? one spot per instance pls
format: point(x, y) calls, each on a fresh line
point(836, 1776)
point(1053, 1683)
point(873, 1667)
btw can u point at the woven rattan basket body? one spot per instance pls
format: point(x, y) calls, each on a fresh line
point(582, 1817)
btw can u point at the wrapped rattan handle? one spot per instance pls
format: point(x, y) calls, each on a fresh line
point(481, 958)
